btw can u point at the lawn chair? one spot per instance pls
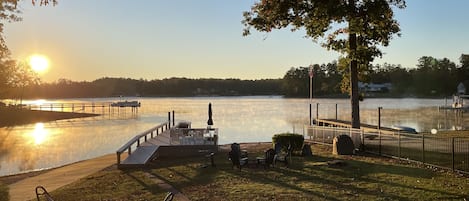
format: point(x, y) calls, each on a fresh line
point(169, 196)
point(280, 156)
point(268, 159)
point(238, 158)
point(42, 192)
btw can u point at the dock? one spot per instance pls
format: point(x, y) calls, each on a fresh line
point(166, 140)
point(85, 107)
point(347, 124)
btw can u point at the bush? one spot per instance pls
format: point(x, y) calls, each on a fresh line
point(285, 139)
point(4, 196)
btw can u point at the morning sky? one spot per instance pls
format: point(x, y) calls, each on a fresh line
point(90, 39)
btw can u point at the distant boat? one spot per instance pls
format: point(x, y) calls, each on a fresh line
point(404, 129)
point(126, 104)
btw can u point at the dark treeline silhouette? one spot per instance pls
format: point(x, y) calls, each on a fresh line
point(432, 77)
point(112, 87)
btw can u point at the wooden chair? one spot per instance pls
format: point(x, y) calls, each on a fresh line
point(281, 156)
point(237, 158)
point(268, 158)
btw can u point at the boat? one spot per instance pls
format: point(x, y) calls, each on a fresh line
point(405, 129)
point(126, 104)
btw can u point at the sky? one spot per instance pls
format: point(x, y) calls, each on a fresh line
point(154, 39)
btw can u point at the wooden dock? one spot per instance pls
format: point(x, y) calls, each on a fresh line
point(164, 141)
point(347, 124)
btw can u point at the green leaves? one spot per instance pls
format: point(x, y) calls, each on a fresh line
point(332, 20)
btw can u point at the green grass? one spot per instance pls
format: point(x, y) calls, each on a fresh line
point(362, 178)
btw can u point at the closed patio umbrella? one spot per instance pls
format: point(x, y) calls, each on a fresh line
point(210, 121)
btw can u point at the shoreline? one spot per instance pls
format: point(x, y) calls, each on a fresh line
point(13, 178)
point(16, 116)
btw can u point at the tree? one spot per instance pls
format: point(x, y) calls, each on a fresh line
point(9, 12)
point(353, 27)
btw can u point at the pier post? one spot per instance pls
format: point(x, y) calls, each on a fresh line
point(173, 118)
point(169, 120)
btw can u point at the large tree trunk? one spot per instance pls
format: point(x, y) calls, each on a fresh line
point(354, 83)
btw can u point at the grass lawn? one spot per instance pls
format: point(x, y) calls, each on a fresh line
point(361, 178)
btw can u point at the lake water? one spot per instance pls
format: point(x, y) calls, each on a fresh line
point(239, 119)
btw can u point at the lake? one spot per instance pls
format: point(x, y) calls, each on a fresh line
point(239, 119)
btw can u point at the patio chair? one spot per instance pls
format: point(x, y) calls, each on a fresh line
point(42, 192)
point(280, 155)
point(237, 158)
point(268, 158)
point(169, 196)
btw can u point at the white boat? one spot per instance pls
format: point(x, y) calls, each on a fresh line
point(126, 104)
point(404, 129)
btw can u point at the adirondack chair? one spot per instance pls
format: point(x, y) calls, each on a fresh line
point(281, 156)
point(238, 159)
point(268, 158)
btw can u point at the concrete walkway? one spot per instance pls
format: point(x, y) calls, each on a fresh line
point(51, 180)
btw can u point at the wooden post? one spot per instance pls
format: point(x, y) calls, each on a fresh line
point(423, 148)
point(173, 117)
point(336, 111)
point(317, 111)
point(452, 152)
point(118, 158)
point(169, 120)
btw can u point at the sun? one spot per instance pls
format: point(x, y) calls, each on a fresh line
point(39, 63)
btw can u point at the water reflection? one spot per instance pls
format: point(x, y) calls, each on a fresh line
point(39, 134)
point(240, 119)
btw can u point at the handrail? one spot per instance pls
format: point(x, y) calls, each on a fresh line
point(128, 146)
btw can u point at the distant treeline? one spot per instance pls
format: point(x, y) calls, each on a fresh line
point(431, 78)
point(114, 87)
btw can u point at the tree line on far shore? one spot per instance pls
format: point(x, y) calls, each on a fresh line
point(431, 78)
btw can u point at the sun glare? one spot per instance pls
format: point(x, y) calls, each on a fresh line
point(39, 63)
point(39, 134)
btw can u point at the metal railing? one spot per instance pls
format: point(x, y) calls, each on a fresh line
point(444, 152)
point(135, 141)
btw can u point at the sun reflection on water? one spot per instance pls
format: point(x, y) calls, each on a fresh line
point(39, 134)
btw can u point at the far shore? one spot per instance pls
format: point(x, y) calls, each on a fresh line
point(15, 116)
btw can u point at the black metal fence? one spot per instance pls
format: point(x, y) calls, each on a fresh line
point(444, 152)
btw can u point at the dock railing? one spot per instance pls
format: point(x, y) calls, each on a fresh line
point(148, 134)
point(444, 152)
point(190, 136)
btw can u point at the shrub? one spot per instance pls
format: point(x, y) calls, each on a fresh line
point(285, 139)
point(4, 196)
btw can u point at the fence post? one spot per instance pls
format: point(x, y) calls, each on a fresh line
point(452, 152)
point(379, 145)
point(423, 148)
point(399, 144)
point(336, 111)
point(317, 111)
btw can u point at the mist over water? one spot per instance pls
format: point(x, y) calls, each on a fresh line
point(239, 119)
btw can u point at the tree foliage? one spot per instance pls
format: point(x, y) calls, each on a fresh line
point(13, 73)
point(355, 28)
